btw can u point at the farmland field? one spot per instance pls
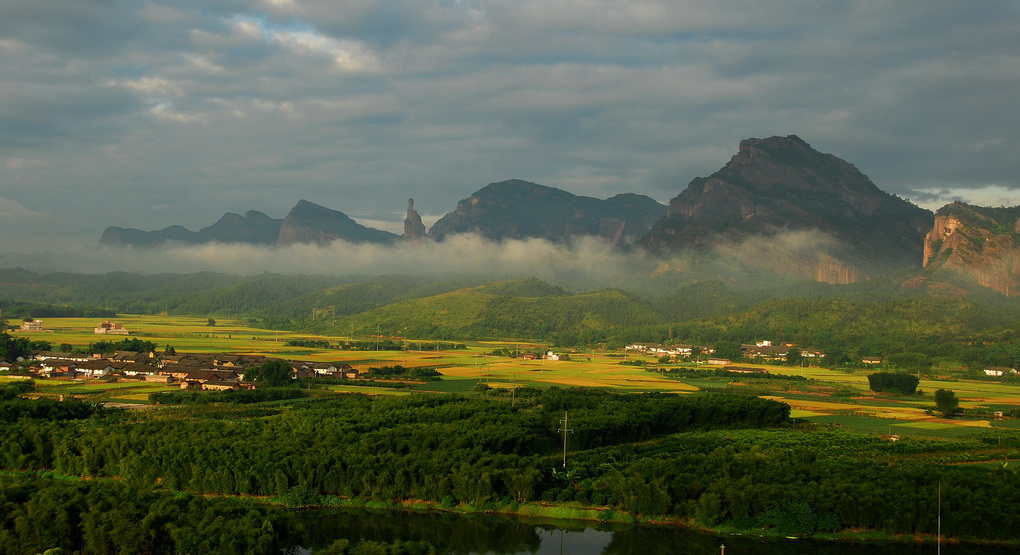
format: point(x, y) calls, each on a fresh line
point(815, 394)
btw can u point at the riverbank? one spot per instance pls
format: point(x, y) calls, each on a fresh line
point(604, 515)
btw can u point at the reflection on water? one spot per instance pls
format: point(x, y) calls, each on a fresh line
point(508, 535)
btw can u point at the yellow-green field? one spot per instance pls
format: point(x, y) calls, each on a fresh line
point(464, 369)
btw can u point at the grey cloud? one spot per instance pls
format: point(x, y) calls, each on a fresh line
point(147, 114)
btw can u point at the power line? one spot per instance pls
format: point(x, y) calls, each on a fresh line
point(565, 431)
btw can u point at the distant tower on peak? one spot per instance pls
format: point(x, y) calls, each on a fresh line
point(414, 230)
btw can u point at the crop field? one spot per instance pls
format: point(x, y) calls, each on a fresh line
point(566, 373)
point(824, 396)
point(886, 414)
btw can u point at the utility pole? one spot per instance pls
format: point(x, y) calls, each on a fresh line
point(565, 431)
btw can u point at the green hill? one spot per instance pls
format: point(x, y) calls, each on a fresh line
point(522, 309)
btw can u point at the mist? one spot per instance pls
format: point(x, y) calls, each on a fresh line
point(587, 263)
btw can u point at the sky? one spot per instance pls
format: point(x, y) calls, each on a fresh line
point(147, 114)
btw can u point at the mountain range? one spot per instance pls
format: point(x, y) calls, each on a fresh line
point(778, 204)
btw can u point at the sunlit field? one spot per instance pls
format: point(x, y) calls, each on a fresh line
point(825, 397)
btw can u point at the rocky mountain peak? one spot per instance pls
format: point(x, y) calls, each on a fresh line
point(308, 222)
point(414, 229)
point(778, 185)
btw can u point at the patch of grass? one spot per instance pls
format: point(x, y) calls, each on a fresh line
point(867, 424)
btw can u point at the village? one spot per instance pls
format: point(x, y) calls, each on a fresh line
point(225, 371)
point(203, 371)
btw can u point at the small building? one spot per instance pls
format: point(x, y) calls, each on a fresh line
point(183, 360)
point(94, 369)
point(340, 370)
point(111, 328)
point(999, 371)
point(872, 360)
point(228, 385)
point(51, 355)
point(131, 356)
point(32, 325)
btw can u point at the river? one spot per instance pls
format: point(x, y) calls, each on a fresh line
point(509, 535)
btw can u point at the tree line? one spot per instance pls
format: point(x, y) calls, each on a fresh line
point(713, 458)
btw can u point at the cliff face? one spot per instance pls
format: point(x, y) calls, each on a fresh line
point(977, 242)
point(518, 209)
point(779, 186)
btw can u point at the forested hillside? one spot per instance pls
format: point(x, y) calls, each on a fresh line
point(877, 318)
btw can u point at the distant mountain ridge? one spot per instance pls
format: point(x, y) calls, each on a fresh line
point(254, 227)
point(307, 222)
point(518, 209)
point(778, 206)
point(511, 209)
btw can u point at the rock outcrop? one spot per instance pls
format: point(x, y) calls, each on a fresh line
point(414, 229)
point(977, 242)
point(809, 214)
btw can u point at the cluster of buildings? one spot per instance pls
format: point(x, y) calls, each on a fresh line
point(674, 351)
point(190, 371)
point(764, 350)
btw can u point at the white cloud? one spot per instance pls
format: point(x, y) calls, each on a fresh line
point(11, 210)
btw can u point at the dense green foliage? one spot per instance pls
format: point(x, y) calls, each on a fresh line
point(273, 373)
point(897, 382)
point(398, 371)
point(946, 402)
point(713, 458)
point(40, 513)
point(240, 396)
point(14, 408)
point(43, 512)
point(13, 347)
point(16, 309)
point(128, 344)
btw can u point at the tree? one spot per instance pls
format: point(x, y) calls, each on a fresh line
point(273, 373)
point(728, 350)
point(898, 382)
point(946, 402)
point(211, 322)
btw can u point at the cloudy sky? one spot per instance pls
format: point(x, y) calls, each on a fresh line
point(151, 113)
